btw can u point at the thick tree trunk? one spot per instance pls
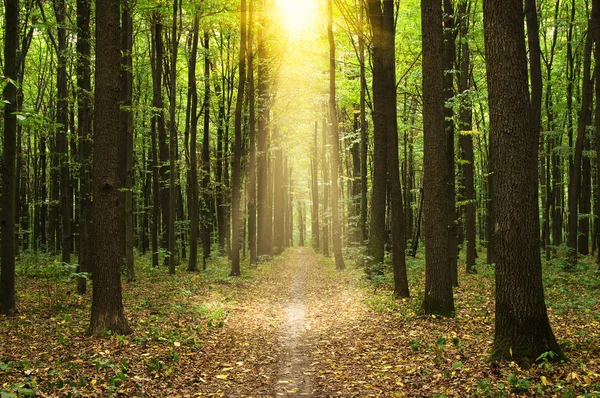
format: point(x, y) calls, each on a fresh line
point(8, 161)
point(522, 331)
point(108, 212)
point(438, 276)
point(377, 230)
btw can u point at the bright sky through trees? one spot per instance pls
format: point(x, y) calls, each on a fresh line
point(297, 15)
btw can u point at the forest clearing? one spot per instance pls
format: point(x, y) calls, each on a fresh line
point(291, 327)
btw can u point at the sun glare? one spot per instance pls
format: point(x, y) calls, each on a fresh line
point(297, 15)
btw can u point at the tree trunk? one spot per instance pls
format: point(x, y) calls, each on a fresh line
point(206, 225)
point(172, 142)
point(278, 199)
point(108, 212)
point(127, 130)
point(85, 128)
point(237, 151)
point(8, 161)
point(335, 146)
point(449, 58)
point(264, 223)
point(377, 230)
point(438, 277)
point(466, 138)
point(522, 328)
point(363, 132)
point(62, 120)
point(252, 138)
point(326, 189)
point(575, 177)
point(314, 172)
point(193, 180)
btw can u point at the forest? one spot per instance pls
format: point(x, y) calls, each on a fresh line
point(352, 198)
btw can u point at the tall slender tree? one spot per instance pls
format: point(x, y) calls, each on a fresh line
point(84, 108)
point(336, 232)
point(237, 150)
point(62, 119)
point(193, 179)
point(127, 129)
point(252, 138)
point(466, 138)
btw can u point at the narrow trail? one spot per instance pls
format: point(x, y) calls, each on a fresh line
point(281, 320)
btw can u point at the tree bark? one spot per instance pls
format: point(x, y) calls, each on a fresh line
point(252, 138)
point(466, 138)
point(377, 230)
point(173, 141)
point(314, 165)
point(193, 181)
point(237, 151)
point(84, 86)
point(127, 130)
point(264, 222)
point(575, 177)
point(108, 212)
point(206, 225)
point(8, 161)
point(438, 277)
point(522, 328)
point(62, 119)
point(336, 233)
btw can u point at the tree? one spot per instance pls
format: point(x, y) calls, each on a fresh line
point(522, 328)
point(335, 147)
point(386, 130)
point(193, 175)
point(84, 107)
point(108, 211)
point(127, 130)
point(466, 138)
point(172, 140)
point(264, 220)
point(237, 151)
point(377, 231)
point(8, 160)
point(62, 120)
point(576, 173)
point(438, 279)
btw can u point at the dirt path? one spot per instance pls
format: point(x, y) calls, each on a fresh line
point(281, 321)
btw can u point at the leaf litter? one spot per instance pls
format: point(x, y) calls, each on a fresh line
point(291, 327)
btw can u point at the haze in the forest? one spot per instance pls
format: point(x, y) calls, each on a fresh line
point(299, 197)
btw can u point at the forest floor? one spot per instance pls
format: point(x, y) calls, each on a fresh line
point(293, 326)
